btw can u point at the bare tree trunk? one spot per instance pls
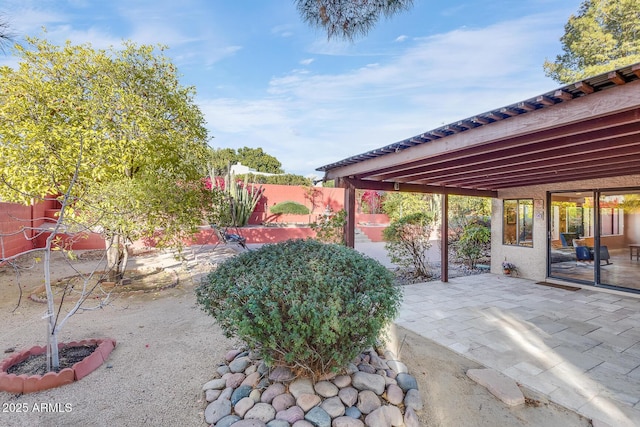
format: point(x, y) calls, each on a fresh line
point(117, 256)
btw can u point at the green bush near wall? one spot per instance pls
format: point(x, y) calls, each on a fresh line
point(289, 207)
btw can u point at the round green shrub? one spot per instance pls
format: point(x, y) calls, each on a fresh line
point(302, 303)
point(289, 207)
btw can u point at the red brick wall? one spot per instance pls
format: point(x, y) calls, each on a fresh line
point(316, 199)
point(14, 217)
point(14, 223)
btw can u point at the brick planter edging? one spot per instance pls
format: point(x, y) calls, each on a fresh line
point(22, 384)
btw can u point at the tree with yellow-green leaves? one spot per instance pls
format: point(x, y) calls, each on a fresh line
point(603, 36)
point(113, 136)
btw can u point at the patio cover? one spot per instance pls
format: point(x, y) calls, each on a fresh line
point(584, 130)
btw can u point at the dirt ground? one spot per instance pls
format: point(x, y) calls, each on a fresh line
point(168, 348)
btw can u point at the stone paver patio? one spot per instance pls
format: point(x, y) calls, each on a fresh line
point(579, 348)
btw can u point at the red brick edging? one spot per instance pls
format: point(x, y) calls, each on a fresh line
point(22, 384)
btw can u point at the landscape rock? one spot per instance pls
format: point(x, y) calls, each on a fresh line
point(410, 418)
point(240, 393)
point(283, 401)
point(385, 416)
point(413, 399)
point(333, 406)
point(366, 381)
point(368, 402)
point(353, 412)
point(348, 395)
point(256, 395)
point(249, 423)
point(239, 364)
point(235, 379)
point(301, 386)
point(397, 366)
point(346, 422)
point(376, 391)
point(217, 384)
point(318, 417)
point(501, 386)
point(211, 395)
point(342, 381)
point(326, 389)
point(406, 381)
point(228, 421)
point(217, 410)
point(395, 395)
point(231, 354)
point(281, 374)
point(365, 367)
point(291, 415)
point(307, 401)
point(261, 411)
point(224, 369)
point(251, 379)
point(272, 391)
point(243, 406)
point(226, 394)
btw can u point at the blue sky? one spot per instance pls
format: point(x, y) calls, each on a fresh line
point(265, 79)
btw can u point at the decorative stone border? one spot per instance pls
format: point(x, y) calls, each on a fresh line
point(374, 390)
point(22, 384)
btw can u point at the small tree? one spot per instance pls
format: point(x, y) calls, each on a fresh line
point(112, 136)
point(330, 228)
point(407, 241)
point(473, 243)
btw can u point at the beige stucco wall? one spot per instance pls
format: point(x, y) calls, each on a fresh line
point(532, 262)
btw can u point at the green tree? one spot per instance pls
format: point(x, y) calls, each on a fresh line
point(221, 159)
point(257, 159)
point(407, 242)
point(604, 35)
point(397, 205)
point(113, 136)
point(348, 19)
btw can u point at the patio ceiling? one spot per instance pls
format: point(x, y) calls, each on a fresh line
point(585, 130)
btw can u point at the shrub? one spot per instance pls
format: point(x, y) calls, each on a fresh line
point(302, 303)
point(407, 241)
point(473, 243)
point(289, 207)
point(330, 228)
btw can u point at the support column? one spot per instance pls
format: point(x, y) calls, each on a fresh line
point(444, 239)
point(350, 206)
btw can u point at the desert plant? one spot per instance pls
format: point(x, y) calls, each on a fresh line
point(289, 207)
point(407, 242)
point(302, 303)
point(239, 202)
point(330, 228)
point(473, 243)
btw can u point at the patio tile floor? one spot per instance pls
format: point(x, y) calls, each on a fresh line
point(579, 348)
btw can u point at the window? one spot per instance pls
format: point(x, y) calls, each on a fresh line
point(517, 222)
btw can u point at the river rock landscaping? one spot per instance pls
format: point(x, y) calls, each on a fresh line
point(375, 390)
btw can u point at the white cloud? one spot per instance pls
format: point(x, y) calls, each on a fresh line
point(435, 80)
point(401, 38)
point(307, 61)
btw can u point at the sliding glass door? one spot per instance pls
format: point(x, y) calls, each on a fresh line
point(594, 237)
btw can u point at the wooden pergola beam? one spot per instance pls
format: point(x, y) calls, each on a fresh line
point(362, 184)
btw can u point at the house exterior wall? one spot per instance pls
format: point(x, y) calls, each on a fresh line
point(532, 261)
